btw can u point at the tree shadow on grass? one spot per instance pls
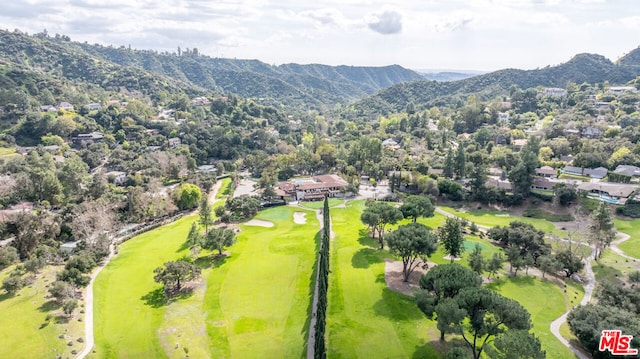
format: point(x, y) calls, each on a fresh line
point(436, 348)
point(212, 261)
point(365, 239)
point(365, 257)
point(157, 298)
point(49, 306)
point(4, 296)
point(306, 329)
point(394, 306)
point(62, 319)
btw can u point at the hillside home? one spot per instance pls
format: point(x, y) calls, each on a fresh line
point(519, 143)
point(201, 101)
point(610, 192)
point(48, 108)
point(555, 92)
point(543, 184)
point(391, 143)
point(314, 188)
point(591, 132)
point(627, 170)
point(546, 171)
point(119, 177)
point(622, 89)
point(93, 106)
point(173, 142)
point(597, 173)
point(499, 184)
point(66, 106)
point(87, 138)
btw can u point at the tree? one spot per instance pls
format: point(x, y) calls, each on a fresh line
point(69, 306)
point(489, 314)
point(62, 291)
point(444, 281)
point(517, 344)
point(564, 194)
point(524, 236)
point(522, 175)
point(450, 234)
point(193, 237)
point(515, 259)
point(34, 264)
point(460, 163)
point(417, 206)
point(601, 228)
point(8, 256)
point(377, 215)
point(449, 315)
point(495, 264)
point(448, 165)
point(218, 238)
point(243, 206)
point(188, 196)
point(175, 273)
point(569, 262)
point(206, 215)
point(413, 243)
point(548, 264)
point(12, 283)
point(476, 260)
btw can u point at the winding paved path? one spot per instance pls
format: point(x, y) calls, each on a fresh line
point(89, 339)
point(614, 246)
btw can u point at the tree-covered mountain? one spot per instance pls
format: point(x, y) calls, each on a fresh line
point(111, 67)
point(582, 68)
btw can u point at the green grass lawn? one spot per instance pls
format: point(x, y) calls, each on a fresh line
point(631, 227)
point(319, 204)
point(610, 265)
point(255, 302)
point(364, 318)
point(226, 188)
point(545, 302)
point(493, 218)
point(32, 324)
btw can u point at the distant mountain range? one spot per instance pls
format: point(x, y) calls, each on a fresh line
point(308, 85)
point(367, 90)
point(448, 75)
point(582, 68)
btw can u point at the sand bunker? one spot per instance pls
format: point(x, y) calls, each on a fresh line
point(259, 223)
point(299, 218)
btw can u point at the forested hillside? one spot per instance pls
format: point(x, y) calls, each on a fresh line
point(582, 68)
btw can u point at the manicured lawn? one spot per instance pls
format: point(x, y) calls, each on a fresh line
point(26, 332)
point(492, 218)
point(254, 302)
point(319, 204)
point(226, 188)
point(364, 318)
point(631, 227)
point(611, 265)
point(545, 302)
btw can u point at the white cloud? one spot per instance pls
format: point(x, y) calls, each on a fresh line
point(386, 23)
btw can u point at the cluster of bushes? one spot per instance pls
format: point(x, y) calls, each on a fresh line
point(323, 284)
point(630, 209)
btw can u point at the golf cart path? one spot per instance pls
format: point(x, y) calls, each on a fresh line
point(89, 339)
point(614, 246)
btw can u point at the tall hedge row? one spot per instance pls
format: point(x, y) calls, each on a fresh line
point(323, 284)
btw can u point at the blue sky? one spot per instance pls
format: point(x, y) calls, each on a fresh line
point(437, 34)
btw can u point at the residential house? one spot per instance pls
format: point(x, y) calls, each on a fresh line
point(627, 170)
point(543, 184)
point(87, 138)
point(499, 184)
point(555, 92)
point(48, 108)
point(174, 142)
point(503, 118)
point(519, 143)
point(610, 192)
point(546, 171)
point(435, 171)
point(69, 247)
point(315, 188)
point(391, 143)
point(591, 132)
point(598, 173)
point(201, 101)
point(571, 170)
point(567, 158)
point(622, 89)
point(495, 171)
point(93, 106)
point(207, 169)
point(66, 106)
point(571, 131)
point(119, 177)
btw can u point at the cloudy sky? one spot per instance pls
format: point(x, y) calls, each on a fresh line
point(425, 34)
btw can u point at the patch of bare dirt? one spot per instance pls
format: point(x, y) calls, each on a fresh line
point(394, 278)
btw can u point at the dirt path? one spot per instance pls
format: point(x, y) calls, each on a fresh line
point(89, 339)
